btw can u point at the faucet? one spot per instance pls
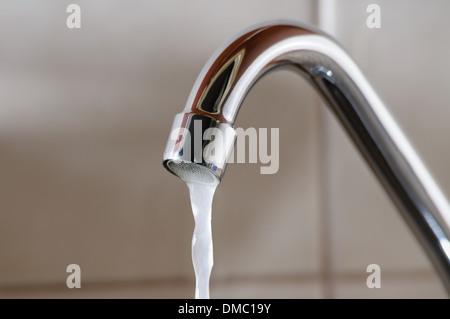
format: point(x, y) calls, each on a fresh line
point(231, 72)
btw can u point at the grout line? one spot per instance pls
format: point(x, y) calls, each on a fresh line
point(326, 21)
point(269, 279)
point(401, 275)
point(325, 220)
point(326, 16)
point(174, 281)
point(347, 277)
point(324, 271)
point(324, 274)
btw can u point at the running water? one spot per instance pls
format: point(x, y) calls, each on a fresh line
point(202, 246)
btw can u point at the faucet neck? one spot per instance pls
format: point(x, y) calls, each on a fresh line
point(228, 76)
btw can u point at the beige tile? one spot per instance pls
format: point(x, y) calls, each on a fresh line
point(267, 224)
point(396, 60)
point(367, 227)
point(84, 120)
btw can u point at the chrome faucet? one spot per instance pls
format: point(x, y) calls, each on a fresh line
point(226, 79)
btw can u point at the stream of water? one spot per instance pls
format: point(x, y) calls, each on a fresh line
point(202, 244)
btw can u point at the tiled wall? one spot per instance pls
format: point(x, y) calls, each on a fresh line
point(84, 117)
point(405, 61)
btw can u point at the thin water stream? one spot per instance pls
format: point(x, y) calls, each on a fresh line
point(202, 244)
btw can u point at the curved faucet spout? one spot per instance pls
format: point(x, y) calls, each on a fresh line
point(228, 76)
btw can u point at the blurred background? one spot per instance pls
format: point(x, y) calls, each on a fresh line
point(85, 115)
